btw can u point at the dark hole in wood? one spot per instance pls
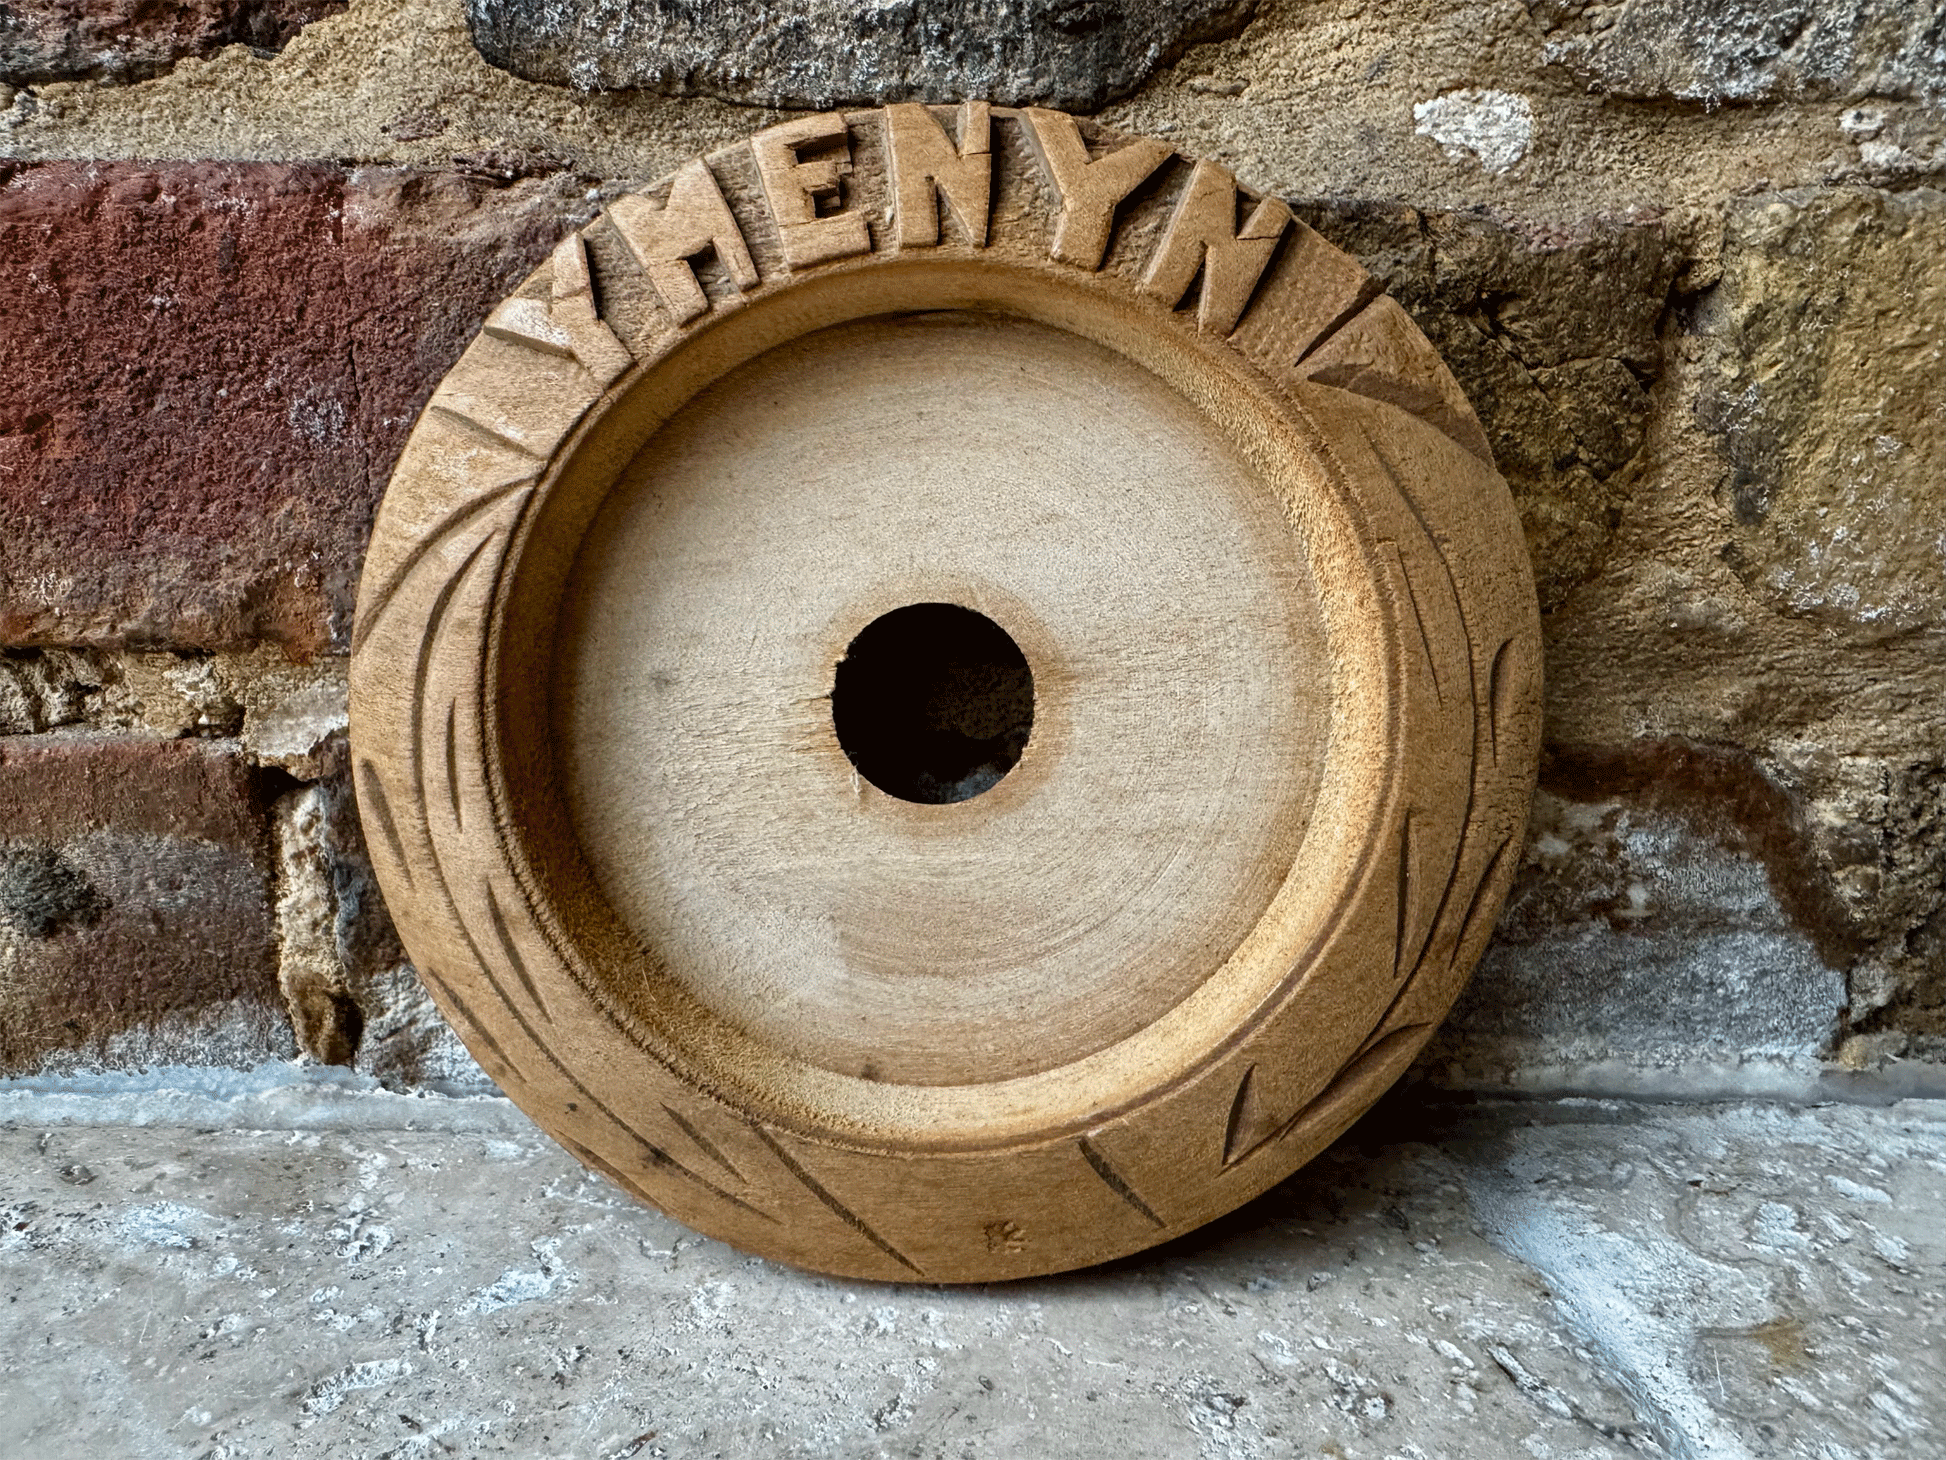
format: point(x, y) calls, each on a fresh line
point(933, 703)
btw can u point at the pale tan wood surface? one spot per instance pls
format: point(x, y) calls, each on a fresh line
point(1221, 494)
point(1178, 672)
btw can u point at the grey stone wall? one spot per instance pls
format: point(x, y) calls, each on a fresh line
point(1686, 258)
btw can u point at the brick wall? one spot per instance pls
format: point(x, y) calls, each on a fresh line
point(1689, 273)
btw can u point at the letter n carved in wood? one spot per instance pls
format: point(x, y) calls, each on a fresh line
point(1203, 234)
point(927, 166)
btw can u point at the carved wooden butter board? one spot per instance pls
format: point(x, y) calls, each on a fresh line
point(944, 694)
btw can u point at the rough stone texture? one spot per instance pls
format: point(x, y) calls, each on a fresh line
point(1313, 98)
point(1553, 335)
point(347, 995)
point(1774, 591)
point(352, 996)
point(407, 1043)
point(210, 370)
point(1749, 50)
point(1586, 1281)
point(285, 713)
point(130, 40)
point(1629, 937)
point(1827, 341)
point(134, 905)
point(40, 691)
point(1077, 55)
point(1495, 127)
point(324, 1012)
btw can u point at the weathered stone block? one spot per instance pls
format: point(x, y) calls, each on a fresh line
point(1554, 338)
point(1749, 50)
point(1884, 849)
point(40, 691)
point(135, 917)
point(210, 369)
point(131, 40)
point(1825, 391)
point(343, 982)
point(1077, 55)
point(1669, 909)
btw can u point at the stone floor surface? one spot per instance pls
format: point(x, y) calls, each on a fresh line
point(1572, 1280)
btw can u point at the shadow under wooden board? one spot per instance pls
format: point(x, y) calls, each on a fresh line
point(945, 694)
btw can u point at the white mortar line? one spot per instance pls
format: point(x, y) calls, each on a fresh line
point(273, 1096)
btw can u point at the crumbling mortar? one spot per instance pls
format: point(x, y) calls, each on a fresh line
point(1905, 997)
point(324, 1014)
point(283, 712)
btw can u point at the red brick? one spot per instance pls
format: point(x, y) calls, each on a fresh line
point(130, 40)
point(54, 788)
point(210, 369)
point(135, 898)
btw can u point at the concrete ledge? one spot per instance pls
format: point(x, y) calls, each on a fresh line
point(279, 1096)
point(1588, 1279)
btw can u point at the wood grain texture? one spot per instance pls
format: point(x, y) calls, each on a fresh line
point(1214, 485)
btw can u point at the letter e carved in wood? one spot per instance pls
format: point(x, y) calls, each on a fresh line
point(794, 187)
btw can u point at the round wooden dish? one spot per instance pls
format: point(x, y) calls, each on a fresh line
point(945, 696)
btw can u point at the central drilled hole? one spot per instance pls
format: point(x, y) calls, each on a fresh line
point(933, 703)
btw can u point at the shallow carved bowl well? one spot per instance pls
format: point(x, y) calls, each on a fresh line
point(945, 694)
